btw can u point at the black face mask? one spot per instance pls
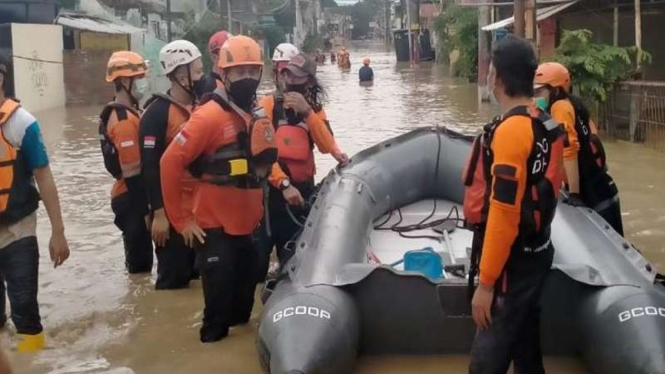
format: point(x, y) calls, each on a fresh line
point(199, 88)
point(299, 88)
point(243, 92)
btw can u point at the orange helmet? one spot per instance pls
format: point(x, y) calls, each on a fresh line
point(552, 74)
point(125, 64)
point(366, 61)
point(240, 51)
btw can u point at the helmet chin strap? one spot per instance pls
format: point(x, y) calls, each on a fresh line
point(135, 103)
point(189, 91)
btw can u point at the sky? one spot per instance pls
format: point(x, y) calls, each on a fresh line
point(346, 2)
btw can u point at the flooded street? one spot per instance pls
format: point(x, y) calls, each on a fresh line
point(98, 319)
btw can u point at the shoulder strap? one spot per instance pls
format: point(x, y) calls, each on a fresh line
point(9, 107)
point(163, 96)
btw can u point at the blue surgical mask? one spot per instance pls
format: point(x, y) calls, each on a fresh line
point(541, 103)
point(140, 89)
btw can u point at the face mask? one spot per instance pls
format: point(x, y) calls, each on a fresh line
point(199, 88)
point(299, 88)
point(243, 92)
point(541, 103)
point(140, 89)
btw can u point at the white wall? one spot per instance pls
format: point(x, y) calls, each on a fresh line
point(38, 71)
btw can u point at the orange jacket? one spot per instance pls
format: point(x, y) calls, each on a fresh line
point(563, 112)
point(124, 133)
point(512, 145)
point(318, 130)
point(238, 211)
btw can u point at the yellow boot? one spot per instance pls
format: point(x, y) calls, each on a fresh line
point(30, 343)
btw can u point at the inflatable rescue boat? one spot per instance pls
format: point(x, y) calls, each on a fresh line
point(349, 289)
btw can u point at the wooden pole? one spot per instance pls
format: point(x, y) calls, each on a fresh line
point(518, 13)
point(638, 32)
point(616, 24)
point(531, 25)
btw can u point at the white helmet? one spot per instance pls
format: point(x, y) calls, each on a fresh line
point(285, 52)
point(178, 53)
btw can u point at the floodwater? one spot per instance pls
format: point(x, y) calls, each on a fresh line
point(100, 320)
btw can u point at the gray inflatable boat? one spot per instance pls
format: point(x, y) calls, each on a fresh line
point(344, 293)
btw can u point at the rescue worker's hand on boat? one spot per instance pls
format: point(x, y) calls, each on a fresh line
point(297, 102)
point(481, 306)
point(160, 228)
point(293, 196)
point(193, 231)
point(341, 157)
point(574, 199)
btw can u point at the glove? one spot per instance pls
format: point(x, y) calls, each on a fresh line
point(574, 199)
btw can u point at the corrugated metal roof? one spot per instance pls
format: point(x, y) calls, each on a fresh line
point(88, 23)
point(541, 14)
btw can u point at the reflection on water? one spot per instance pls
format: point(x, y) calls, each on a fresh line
point(100, 320)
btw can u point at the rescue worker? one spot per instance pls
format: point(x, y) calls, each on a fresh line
point(300, 122)
point(280, 58)
point(512, 181)
point(163, 118)
point(366, 74)
point(587, 180)
point(119, 137)
point(230, 148)
point(24, 161)
point(215, 43)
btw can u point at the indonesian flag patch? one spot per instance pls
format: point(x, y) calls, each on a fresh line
point(149, 142)
point(180, 138)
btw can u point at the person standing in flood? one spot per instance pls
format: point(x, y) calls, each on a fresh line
point(24, 161)
point(217, 40)
point(587, 180)
point(229, 145)
point(163, 118)
point(512, 181)
point(344, 59)
point(366, 74)
point(300, 122)
point(119, 137)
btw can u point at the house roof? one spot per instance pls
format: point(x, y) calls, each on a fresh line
point(541, 14)
point(95, 24)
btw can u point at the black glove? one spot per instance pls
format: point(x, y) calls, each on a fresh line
point(574, 199)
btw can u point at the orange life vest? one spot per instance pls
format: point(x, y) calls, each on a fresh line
point(237, 163)
point(543, 181)
point(109, 151)
point(294, 144)
point(18, 196)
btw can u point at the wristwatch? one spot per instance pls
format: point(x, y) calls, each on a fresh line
point(284, 184)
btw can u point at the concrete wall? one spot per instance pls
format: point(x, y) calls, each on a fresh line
point(38, 69)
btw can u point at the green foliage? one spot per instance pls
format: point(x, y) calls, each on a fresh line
point(201, 33)
point(457, 29)
point(312, 43)
point(362, 13)
point(272, 34)
point(593, 67)
point(284, 14)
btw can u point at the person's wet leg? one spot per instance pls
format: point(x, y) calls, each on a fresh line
point(135, 236)
point(3, 299)
point(247, 279)
point(217, 260)
point(21, 260)
point(612, 214)
point(528, 357)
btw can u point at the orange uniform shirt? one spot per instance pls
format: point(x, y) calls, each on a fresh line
point(512, 145)
point(125, 136)
point(563, 112)
point(238, 211)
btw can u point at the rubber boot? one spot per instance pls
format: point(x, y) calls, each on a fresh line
point(30, 343)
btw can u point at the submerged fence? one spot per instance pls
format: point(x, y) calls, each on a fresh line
point(635, 112)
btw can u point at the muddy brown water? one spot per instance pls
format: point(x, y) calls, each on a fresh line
point(100, 320)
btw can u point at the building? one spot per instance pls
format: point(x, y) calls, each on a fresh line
point(28, 11)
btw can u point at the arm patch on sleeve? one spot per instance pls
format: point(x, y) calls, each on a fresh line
point(505, 190)
point(505, 170)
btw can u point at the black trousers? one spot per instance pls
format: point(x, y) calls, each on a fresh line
point(514, 335)
point(228, 266)
point(130, 219)
point(283, 229)
point(598, 192)
point(175, 263)
point(19, 268)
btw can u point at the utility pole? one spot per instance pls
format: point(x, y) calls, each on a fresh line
point(298, 41)
point(409, 33)
point(531, 24)
point(387, 19)
point(638, 32)
point(615, 28)
point(483, 52)
point(168, 21)
point(518, 13)
point(229, 13)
